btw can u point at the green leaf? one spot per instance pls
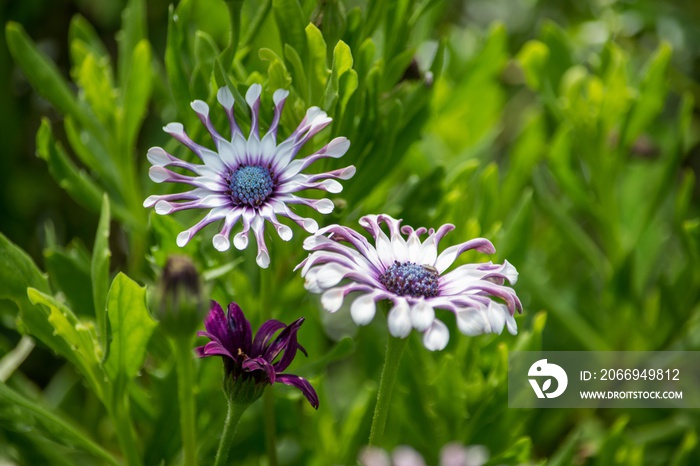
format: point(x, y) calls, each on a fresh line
point(131, 328)
point(95, 79)
point(317, 68)
point(71, 338)
point(83, 40)
point(174, 65)
point(69, 270)
point(75, 181)
point(291, 22)
point(41, 72)
point(342, 63)
point(137, 90)
point(277, 75)
point(78, 183)
point(301, 83)
point(652, 94)
point(132, 33)
point(17, 272)
point(533, 57)
point(99, 269)
point(16, 407)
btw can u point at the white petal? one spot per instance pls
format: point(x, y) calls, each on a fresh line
point(511, 325)
point(240, 240)
point(158, 174)
point(253, 94)
point(221, 243)
point(331, 274)
point(496, 315)
point(157, 156)
point(163, 207)
point(338, 147)
point(510, 272)
point(407, 456)
point(332, 299)
point(422, 315)
point(284, 231)
point(184, 238)
point(200, 107)
point(363, 309)
point(225, 97)
point(279, 95)
point(174, 128)
point(399, 319)
point(437, 336)
point(263, 259)
point(324, 206)
point(471, 322)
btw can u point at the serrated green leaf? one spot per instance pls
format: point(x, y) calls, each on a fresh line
point(317, 68)
point(95, 80)
point(53, 425)
point(137, 91)
point(43, 74)
point(83, 40)
point(69, 270)
point(17, 273)
point(342, 63)
point(91, 153)
point(99, 268)
point(71, 338)
point(131, 328)
point(74, 180)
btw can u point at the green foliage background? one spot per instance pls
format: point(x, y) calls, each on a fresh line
point(566, 132)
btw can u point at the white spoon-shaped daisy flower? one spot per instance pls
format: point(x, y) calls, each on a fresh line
point(249, 180)
point(411, 274)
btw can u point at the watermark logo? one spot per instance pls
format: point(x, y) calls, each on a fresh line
point(551, 371)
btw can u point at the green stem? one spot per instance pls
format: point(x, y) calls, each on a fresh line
point(125, 431)
point(394, 350)
point(182, 349)
point(268, 396)
point(233, 417)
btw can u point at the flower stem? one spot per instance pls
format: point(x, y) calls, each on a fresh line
point(233, 417)
point(268, 396)
point(182, 349)
point(394, 350)
point(125, 431)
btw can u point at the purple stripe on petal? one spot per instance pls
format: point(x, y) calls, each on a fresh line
point(241, 333)
point(282, 341)
point(265, 333)
point(260, 364)
point(302, 384)
point(215, 323)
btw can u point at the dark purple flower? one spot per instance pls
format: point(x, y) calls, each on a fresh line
point(247, 359)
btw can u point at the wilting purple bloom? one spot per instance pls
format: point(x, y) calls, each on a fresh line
point(249, 180)
point(253, 359)
point(411, 274)
point(452, 454)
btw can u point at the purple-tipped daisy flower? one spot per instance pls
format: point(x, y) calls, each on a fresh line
point(452, 454)
point(251, 361)
point(249, 180)
point(412, 275)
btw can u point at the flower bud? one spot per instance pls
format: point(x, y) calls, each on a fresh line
point(179, 302)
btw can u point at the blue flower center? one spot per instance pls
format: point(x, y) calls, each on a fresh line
point(410, 279)
point(251, 185)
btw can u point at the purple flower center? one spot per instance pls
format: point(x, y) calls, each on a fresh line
point(410, 279)
point(251, 185)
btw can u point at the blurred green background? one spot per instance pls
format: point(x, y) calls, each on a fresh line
point(566, 132)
